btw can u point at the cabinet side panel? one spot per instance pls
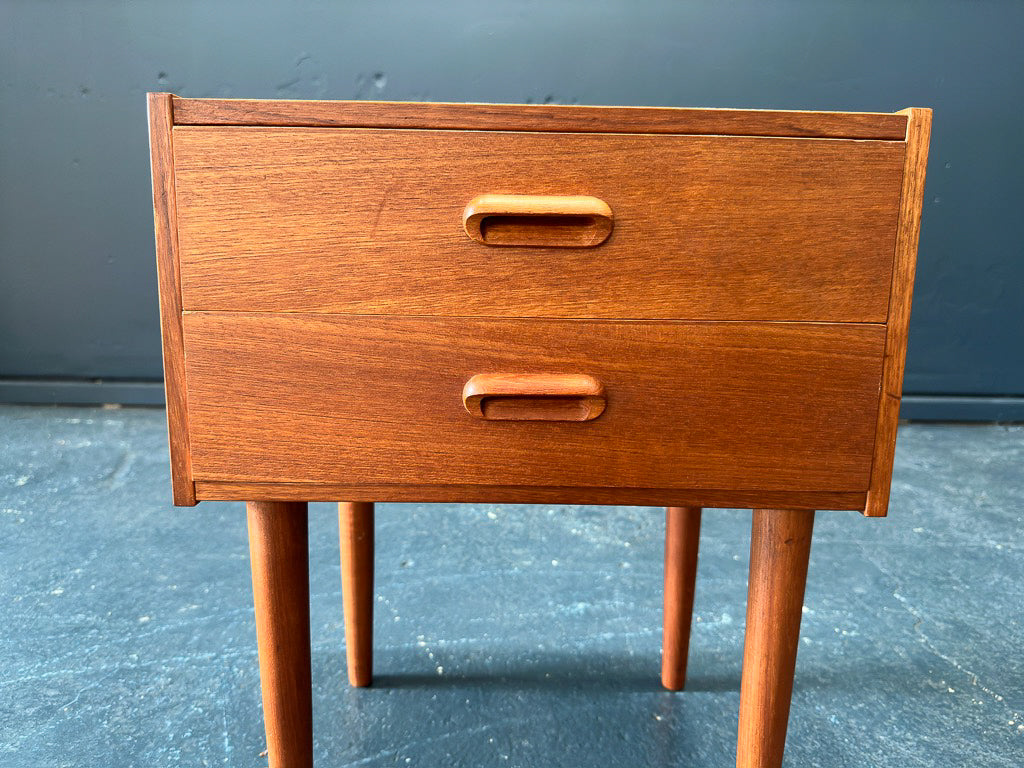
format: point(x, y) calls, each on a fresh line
point(169, 282)
point(908, 232)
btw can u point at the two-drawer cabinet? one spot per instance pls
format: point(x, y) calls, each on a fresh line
point(436, 302)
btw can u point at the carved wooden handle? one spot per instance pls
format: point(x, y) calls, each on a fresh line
point(574, 221)
point(534, 397)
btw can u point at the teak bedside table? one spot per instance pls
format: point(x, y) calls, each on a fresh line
point(543, 304)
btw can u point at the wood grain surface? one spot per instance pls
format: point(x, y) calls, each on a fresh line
point(780, 545)
point(535, 117)
point(905, 263)
point(216, 490)
point(378, 400)
point(534, 396)
point(370, 221)
point(356, 530)
point(548, 220)
point(682, 541)
point(279, 551)
point(168, 282)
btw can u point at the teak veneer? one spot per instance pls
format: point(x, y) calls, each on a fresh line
point(700, 227)
point(372, 302)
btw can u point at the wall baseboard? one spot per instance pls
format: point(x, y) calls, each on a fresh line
point(962, 408)
point(101, 391)
point(81, 392)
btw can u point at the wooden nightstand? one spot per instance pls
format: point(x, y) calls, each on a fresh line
point(468, 303)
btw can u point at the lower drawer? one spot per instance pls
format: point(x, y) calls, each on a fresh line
point(379, 400)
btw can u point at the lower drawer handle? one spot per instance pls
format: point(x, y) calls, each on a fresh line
point(534, 397)
point(576, 221)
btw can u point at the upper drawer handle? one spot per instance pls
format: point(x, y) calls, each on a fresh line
point(534, 397)
point(575, 221)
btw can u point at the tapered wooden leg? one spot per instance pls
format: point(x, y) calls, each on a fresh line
point(779, 548)
point(682, 537)
point(355, 521)
point(279, 550)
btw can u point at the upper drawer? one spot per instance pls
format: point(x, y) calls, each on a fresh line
point(371, 221)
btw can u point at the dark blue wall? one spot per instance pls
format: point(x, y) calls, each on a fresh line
point(77, 281)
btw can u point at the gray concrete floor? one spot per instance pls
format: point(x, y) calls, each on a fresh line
point(505, 635)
